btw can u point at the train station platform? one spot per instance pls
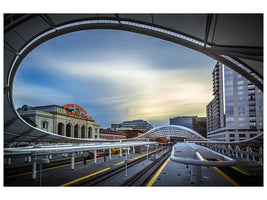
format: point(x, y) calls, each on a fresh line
point(63, 175)
point(169, 174)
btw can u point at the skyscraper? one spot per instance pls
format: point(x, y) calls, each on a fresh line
point(236, 111)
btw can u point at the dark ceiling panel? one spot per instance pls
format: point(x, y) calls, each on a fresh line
point(192, 24)
point(31, 28)
point(64, 18)
point(239, 30)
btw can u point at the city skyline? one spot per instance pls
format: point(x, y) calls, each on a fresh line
point(116, 76)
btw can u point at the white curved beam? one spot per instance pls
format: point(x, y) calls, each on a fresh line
point(172, 131)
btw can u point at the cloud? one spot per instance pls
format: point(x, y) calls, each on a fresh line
point(35, 95)
point(129, 79)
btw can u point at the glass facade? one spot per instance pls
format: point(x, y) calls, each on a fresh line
point(242, 110)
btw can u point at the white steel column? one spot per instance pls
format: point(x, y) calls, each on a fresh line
point(120, 152)
point(109, 154)
point(95, 157)
point(72, 160)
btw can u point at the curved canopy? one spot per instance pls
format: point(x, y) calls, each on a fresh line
point(172, 131)
point(233, 39)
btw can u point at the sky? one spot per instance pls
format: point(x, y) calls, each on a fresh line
point(116, 76)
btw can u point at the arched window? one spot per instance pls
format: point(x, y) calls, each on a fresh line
point(76, 128)
point(89, 132)
point(68, 130)
point(60, 128)
point(83, 132)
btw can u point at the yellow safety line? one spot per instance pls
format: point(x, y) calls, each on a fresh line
point(61, 166)
point(119, 163)
point(224, 175)
point(237, 169)
point(79, 179)
point(227, 177)
point(241, 171)
point(151, 182)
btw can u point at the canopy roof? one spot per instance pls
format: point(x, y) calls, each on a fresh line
point(233, 39)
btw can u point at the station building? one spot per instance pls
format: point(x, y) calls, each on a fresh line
point(69, 120)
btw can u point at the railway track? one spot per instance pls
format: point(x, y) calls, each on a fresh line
point(139, 178)
point(142, 177)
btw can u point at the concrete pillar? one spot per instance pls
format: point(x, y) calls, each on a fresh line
point(133, 150)
point(64, 129)
point(72, 130)
point(34, 170)
point(86, 132)
point(109, 154)
point(95, 157)
point(129, 151)
point(72, 161)
point(247, 156)
point(50, 156)
point(79, 131)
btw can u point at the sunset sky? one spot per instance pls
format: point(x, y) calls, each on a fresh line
point(116, 76)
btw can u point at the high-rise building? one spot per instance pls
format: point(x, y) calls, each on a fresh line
point(236, 111)
point(137, 125)
point(186, 121)
point(193, 122)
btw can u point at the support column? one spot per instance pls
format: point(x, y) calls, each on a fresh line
point(109, 154)
point(72, 130)
point(34, 169)
point(64, 129)
point(72, 161)
point(79, 131)
point(196, 174)
point(120, 152)
point(133, 150)
point(129, 151)
point(86, 132)
point(95, 157)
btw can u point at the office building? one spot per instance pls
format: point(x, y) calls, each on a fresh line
point(236, 111)
point(193, 122)
point(140, 125)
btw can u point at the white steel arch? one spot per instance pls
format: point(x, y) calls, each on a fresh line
point(172, 131)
